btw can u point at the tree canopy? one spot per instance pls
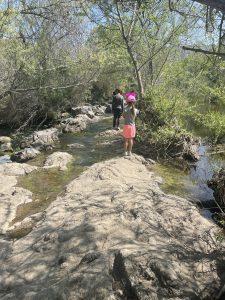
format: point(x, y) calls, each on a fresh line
point(55, 54)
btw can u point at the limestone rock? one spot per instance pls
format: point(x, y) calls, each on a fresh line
point(5, 139)
point(45, 137)
point(115, 235)
point(25, 226)
point(11, 197)
point(41, 140)
point(77, 124)
point(25, 154)
point(83, 110)
point(58, 160)
point(5, 144)
point(16, 169)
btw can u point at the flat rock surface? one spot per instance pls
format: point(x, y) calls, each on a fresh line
point(115, 235)
point(10, 194)
point(16, 169)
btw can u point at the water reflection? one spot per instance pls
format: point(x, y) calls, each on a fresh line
point(192, 184)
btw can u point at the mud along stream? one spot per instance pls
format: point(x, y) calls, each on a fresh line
point(91, 147)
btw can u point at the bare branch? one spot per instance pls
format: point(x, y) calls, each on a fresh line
point(220, 54)
point(217, 4)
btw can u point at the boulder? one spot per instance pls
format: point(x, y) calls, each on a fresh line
point(25, 154)
point(83, 110)
point(6, 147)
point(5, 144)
point(5, 139)
point(42, 140)
point(58, 160)
point(77, 124)
point(45, 137)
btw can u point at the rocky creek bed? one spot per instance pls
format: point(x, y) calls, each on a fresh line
point(115, 235)
point(111, 233)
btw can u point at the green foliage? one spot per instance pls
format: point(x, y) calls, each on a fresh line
point(191, 97)
point(212, 123)
point(70, 59)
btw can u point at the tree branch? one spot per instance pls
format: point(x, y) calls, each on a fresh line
point(220, 54)
point(217, 4)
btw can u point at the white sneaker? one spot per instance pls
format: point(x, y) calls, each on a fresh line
point(129, 153)
point(125, 153)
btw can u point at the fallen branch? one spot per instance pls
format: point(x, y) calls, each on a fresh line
point(42, 122)
point(27, 121)
point(46, 87)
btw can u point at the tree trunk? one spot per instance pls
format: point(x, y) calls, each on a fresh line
point(137, 71)
point(126, 39)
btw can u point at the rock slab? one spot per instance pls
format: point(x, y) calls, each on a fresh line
point(11, 196)
point(116, 235)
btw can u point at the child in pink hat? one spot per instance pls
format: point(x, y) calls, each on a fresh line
point(129, 129)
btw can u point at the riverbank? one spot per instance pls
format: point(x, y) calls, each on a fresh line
point(114, 235)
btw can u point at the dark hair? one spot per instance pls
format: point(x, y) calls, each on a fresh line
point(117, 91)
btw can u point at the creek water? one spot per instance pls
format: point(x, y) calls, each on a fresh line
point(47, 184)
point(192, 183)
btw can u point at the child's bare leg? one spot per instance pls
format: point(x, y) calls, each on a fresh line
point(125, 144)
point(130, 145)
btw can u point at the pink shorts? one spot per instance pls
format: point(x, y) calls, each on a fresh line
point(129, 131)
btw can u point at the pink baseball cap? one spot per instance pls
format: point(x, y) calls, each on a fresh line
point(131, 98)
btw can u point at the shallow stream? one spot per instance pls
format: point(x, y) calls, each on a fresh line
point(47, 184)
point(192, 183)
